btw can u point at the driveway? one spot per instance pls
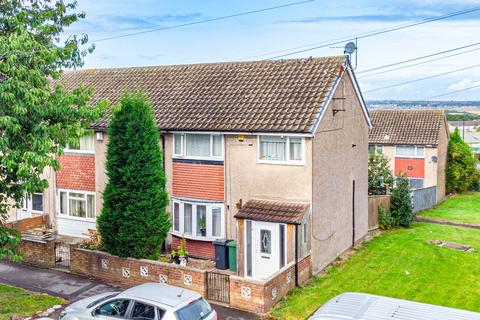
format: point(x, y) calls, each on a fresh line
point(74, 287)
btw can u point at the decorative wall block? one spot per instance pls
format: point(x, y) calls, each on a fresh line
point(246, 292)
point(274, 293)
point(163, 278)
point(187, 279)
point(105, 263)
point(144, 271)
point(289, 277)
point(126, 272)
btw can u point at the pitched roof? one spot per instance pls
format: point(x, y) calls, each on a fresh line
point(259, 96)
point(273, 211)
point(421, 127)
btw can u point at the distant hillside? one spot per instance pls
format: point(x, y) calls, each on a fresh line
point(407, 104)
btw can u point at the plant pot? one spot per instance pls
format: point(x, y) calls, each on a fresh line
point(183, 260)
point(203, 232)
point(176, 258)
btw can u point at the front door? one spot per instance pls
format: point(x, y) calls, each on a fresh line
point(26, 210)
point(266, 249)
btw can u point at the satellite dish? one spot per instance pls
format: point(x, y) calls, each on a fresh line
point(350, 48)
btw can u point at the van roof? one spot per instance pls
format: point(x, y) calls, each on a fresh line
point(161, 293)
point(362, 306)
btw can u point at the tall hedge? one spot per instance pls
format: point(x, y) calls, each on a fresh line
point(462, 173)
point(133, 221)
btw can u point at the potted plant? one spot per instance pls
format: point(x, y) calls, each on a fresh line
point(175, 257)
point(181, 255)
point(203, 226)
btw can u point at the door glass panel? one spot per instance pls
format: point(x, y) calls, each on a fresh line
point(187, 227)
point(142, 311)
point(248, 236)
point(265, 241)
point(115, 308)
point(201, 219)
point(282, 245)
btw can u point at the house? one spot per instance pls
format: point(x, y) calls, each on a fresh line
point(416, 143)
point(464, 126)
point(272, 154)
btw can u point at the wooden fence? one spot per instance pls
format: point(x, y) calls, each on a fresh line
point(373, 203)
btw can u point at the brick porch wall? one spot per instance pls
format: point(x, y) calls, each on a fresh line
point(196, 248)
point(28, 223)
point(38, 253)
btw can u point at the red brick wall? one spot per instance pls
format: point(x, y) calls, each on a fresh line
point(38, 253)
point(196, 248)
point(414, 168)
point(198, 181)
point(89, 263)
point(77, 172)
point(28, 223)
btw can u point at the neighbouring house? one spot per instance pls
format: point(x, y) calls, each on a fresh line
point(416, 142)
point(464, 126)
point(272, 154)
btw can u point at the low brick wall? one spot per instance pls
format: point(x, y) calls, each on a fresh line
point(28, 223)
point(260, 296)
point(38, 253)
point(129, 272)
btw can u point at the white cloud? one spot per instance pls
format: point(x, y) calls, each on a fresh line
point(462, 84)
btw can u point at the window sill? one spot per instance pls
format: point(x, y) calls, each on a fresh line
point(410, 157)
point(192, 237)
point(285, 163)
point(79, 152)
point(198, 158)
point(64, 216)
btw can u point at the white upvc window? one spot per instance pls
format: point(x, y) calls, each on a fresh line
point(281, 149)
point(375, 148)
point(86, 144)
point(198, 146)
point(76, 204)
point(198, 220)
point(410, 151)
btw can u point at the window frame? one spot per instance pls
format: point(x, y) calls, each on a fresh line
point(183, 143)
point(208, 219)
point(288, 161)
point(67, 149)
point(68, 216)
point(415, 156)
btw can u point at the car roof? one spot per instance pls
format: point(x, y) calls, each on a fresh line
point(160, 294)
point(362, 306)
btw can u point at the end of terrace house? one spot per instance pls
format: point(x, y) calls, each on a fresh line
point(272, 154)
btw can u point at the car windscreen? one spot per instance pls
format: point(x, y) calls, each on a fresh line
point(196, 310)
point(94, 303)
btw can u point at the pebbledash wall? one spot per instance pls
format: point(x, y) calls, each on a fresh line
point(246, 294)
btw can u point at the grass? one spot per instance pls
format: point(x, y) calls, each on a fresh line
point(459, 207)
point(400, 264)
point(16, 301)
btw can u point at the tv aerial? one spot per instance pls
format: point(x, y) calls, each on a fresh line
point(349, 49)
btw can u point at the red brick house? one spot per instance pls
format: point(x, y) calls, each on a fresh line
point(272, 154)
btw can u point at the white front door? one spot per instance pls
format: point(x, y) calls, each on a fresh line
point(266, 249)
point(26, 210)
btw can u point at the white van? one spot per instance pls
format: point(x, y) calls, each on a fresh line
point(362, 306)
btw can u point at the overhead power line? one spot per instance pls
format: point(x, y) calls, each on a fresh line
point(203, 21)
point(421, 79)
point(333, 42)
point(416, 64)
point(418, 58)
point(452, 92)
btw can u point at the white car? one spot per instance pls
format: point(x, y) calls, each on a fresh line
point(150, 301)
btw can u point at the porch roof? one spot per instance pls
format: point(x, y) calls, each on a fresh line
point(273, 211)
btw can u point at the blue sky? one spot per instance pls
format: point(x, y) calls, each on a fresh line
point(255, 35)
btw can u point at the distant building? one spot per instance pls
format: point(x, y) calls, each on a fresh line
point(470, 125)
point(416, 143)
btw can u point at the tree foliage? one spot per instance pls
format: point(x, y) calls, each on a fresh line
point(380, 177)
point(38, 116)
point(133, 222)
point(401, 207)
point(462, 172)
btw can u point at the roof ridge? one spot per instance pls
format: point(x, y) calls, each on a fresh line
point(219, 63)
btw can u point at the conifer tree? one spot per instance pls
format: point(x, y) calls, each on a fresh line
point(401, 207)
point(462, 173)
point(133, 221)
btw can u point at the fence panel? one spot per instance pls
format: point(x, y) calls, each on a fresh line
point(373, 203)
point(424, 198)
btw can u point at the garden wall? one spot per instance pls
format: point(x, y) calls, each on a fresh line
point(373, 203)
point(38, 253)
point(28, 223)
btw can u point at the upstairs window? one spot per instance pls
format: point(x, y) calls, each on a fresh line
point(280, 149)
point(85, 144)
point(198, 145)
point(410, 151)
point(375, 148)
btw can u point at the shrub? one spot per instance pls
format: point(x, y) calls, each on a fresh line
point(380, 178)
point(402, 208)
point(385, 219)
point(133, 221)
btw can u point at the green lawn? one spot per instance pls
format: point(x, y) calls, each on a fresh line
point(460, 207)
point(16, 301)
point(400, 264)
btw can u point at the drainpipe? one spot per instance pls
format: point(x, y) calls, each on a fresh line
point(353, 214)
point(296, 255)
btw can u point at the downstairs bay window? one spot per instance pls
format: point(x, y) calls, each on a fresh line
point(77, 204)
point(198, 220)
